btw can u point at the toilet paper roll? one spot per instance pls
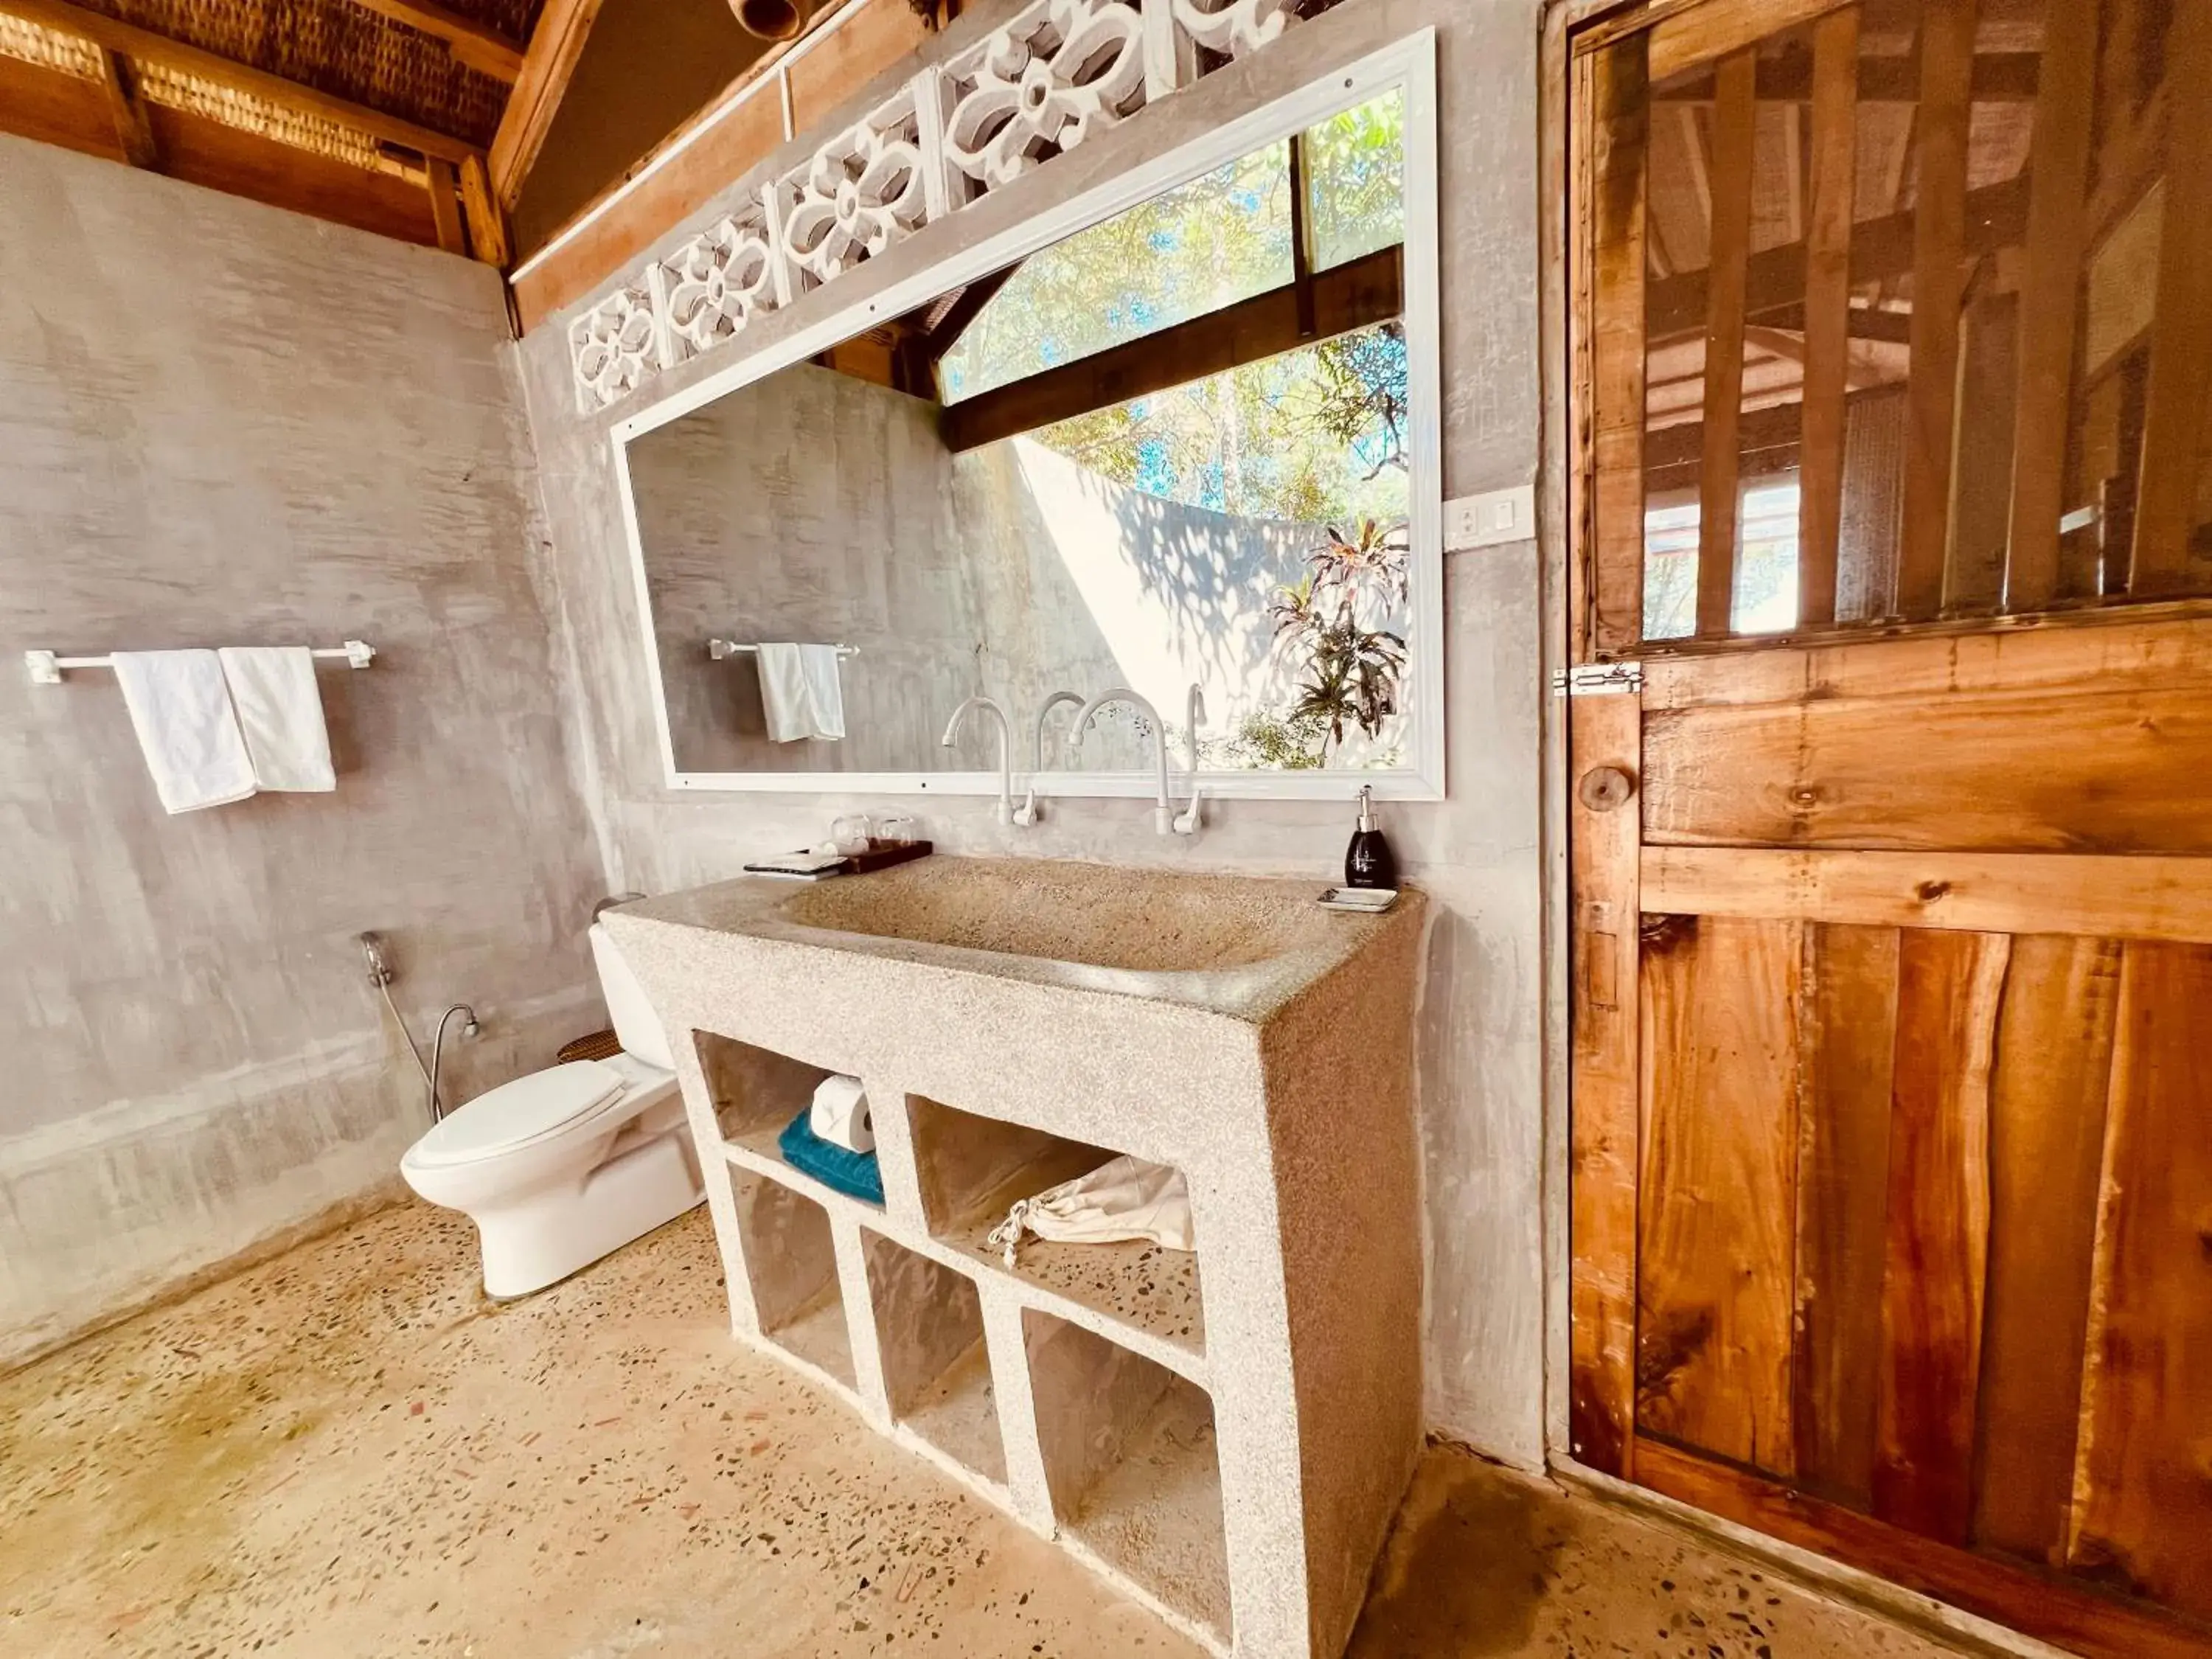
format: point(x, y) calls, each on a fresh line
point(841, 1115)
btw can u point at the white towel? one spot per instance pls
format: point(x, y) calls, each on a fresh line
point(272, 687)
point(800, 693)
point(181, 711)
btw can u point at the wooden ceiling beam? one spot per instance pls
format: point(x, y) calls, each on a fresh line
point(485, 50)
point(1356, 295)
point(556, 45)
point(144, 46)
point(134, 131)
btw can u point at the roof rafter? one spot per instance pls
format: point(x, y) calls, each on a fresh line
point(143, 46)
point(483, 49)
point(556, 46)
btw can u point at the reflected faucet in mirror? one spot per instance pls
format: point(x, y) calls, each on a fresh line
point(1030, 810)
point(1005, 810)
point(1164, 818)
point(1190, 820)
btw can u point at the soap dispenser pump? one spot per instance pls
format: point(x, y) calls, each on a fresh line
point(1367, 861)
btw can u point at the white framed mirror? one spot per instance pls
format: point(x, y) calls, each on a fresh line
point(1179, 434)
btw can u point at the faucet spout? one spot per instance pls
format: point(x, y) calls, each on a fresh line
point(1005, 810)
point(1164, 813)
point(1190, 821)
point(1029, 811)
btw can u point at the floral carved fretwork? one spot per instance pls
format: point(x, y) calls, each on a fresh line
point(1055, 74)
point(1060, 71)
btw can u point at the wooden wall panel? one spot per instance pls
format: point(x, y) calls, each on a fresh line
point(1843, 1204)
point(1949, 986)
point(1715, 1261)
point(2142, 1514)
point(2054, 1052)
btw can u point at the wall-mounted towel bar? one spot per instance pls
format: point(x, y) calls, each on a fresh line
point(45, 667)
point(720, 649)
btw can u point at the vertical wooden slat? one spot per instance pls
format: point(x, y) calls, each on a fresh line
point(1581, 429)
point(1981, 455)
point(1604, 732)
point(2046, 1141)
point(1843, 1197)
point(1947, 63)
point(2143, 1492)
point(487, 218)
point(1949, 985)
point(1828, 310)
point(134, 130)
point(1735, 110)
point(2058, 164)
point(1716, 1269)
point(2181, 334)
point(445, 204)
point(1620, 137)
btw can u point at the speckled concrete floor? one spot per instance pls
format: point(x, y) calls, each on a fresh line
point(348, 1451)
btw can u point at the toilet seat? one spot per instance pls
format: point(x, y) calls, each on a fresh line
point(580, 1097)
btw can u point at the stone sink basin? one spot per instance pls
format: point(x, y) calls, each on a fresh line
point(1092, 916)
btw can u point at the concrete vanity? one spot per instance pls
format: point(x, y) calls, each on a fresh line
point(1226, 1434)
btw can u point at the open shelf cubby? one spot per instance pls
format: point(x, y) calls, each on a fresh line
point(755, 1093)
point(936, 1372)
point(1129, 1460)
point(973, 1169)
point(791, 1264)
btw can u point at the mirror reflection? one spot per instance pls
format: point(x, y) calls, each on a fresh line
point(1169, 453)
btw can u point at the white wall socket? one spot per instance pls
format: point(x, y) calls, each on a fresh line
point(1503, 515)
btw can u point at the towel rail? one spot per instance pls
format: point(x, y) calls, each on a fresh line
point(720, 650)
point(45, 667)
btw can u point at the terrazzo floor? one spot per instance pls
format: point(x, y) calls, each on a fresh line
point(349, 1451)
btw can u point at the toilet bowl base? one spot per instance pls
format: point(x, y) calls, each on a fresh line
point(530, 1245)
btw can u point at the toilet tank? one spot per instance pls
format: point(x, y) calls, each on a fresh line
point(637, 1027)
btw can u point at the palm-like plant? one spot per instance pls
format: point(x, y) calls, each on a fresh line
point(1352, 671)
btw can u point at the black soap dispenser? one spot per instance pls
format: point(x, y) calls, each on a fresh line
point(1368, 861)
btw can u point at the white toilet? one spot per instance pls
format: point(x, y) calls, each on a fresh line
point(561, 1166)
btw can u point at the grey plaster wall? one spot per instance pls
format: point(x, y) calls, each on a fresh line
point(1480, 853)
point(224, 424)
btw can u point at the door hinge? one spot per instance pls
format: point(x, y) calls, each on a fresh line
point(1598, 679)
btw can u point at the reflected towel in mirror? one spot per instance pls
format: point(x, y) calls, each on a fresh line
point(800, 693)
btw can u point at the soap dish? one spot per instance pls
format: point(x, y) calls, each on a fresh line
point(1361, 900)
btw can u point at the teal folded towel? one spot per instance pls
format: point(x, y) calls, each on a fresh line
point(853, 1174)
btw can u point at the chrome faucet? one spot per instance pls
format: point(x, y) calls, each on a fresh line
point(1005, 810)
point(1029, 811)
point(1190, 821)
point(1164, 814)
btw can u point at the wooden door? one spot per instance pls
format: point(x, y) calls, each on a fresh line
point(1891, 837)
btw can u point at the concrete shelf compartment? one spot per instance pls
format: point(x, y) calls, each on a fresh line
point(755, 1093)
point(971, 1170)
point(1224, 1436)
point(1129, 1461)
point(936, 1372)
point(790, 1273)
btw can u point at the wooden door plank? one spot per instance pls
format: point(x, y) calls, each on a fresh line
point(2080, 894)
point(1934, 1264)
point(2167, 496)
point(1834, 190)
point(1736, 111)
point(1715, 1273)
point(2077, 1619)
point(2142, 1492)
point(2109, 655)
point(1720, 26)
point(2058, 163)
point(1939, 256)
point(1605, 1133)
point(2037, 770)
point(1842, 1200)
point(2053, 1065)
point(1620, 167)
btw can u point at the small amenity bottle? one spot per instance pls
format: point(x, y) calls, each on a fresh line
point(1367, 861)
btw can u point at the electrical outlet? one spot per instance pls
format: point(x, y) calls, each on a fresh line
point(1503, 515)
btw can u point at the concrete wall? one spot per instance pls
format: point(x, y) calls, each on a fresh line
point(223, 423)
point(1479, 854)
